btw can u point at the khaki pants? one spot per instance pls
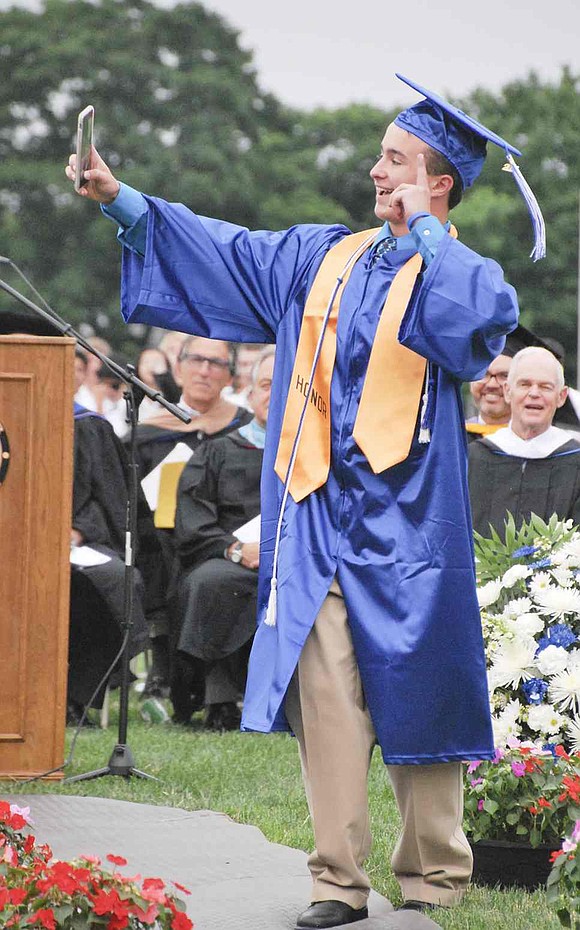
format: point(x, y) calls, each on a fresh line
point(326, 709)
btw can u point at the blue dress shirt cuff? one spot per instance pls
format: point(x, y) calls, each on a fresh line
point(129, 210)
point(427, 232)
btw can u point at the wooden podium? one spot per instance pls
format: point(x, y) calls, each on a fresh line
point(36, 449)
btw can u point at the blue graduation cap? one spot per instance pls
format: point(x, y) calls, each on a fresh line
point(462, 140)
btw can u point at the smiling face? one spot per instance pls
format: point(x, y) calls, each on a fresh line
point(396, 165)
point(534, 391)
point(488, 392)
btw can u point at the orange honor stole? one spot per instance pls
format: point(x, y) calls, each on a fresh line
point(392, 389)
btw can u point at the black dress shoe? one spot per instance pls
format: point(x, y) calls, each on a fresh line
point(222, 717)
point(323, 914)
point(417, 906)
point(75, 712)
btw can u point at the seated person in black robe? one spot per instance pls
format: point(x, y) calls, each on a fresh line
point(530, 466)
point(204, 368)
point(100, 488)
point(219, 491)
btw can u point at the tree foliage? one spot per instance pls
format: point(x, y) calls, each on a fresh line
point(179, 113)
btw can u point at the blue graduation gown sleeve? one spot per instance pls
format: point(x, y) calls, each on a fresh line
point(457, 318)
point(216, 279)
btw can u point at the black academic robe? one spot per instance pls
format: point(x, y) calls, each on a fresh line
point(219, 491)
point(499, 483)
point(153, 444)
point(100, 489)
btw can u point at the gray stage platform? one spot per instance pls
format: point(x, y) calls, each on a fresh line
point(237, 878)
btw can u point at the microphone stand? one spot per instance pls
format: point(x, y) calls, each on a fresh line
point(121, 761)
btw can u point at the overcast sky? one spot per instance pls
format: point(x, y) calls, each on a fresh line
point(333, 52)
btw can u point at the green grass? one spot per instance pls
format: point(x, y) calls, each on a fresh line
point(255, 779)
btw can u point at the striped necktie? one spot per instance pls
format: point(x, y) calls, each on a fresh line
point(385, 245)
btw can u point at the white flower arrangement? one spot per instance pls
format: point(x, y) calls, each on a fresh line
point(529, 597)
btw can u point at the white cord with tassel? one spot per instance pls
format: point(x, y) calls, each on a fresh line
point(271, 609)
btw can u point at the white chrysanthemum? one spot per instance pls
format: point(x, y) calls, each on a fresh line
point(514, 661)
point(525, 625)
point(571, 550)
point(519, 605)
point(565, 686)
point(545, 719)
point(559, 601)
point(488, 593)
point(563, 576)
point(514, 574)
point(573, 730)
point(505, 725)
point(539, 582)
point(552, 660)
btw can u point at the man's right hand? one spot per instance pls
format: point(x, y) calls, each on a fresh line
point(102, 185)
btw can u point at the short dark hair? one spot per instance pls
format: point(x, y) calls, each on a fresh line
point(436, 163)
point(230, 346)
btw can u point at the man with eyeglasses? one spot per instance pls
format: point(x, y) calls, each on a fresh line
point(219, 492)
point(203, 368)
point(529, 465)
point(493, 410)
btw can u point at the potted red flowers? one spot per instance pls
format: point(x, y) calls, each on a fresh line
point(518, 807)
point(40, 893)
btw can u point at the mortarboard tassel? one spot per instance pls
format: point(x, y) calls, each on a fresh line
point(539, 250)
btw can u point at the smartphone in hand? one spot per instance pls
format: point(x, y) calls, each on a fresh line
point(85, 125)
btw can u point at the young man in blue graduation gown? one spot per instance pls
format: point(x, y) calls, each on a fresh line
point(368, 624)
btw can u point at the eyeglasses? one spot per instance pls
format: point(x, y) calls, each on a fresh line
point(197, 360)
point(500, 376)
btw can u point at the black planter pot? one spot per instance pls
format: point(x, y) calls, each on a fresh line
point(507, 864)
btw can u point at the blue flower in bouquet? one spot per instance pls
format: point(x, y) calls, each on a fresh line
point(541, 563)
point(524, 551)
point(535, 690)
point(559, 634)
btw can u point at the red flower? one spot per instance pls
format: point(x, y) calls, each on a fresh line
point(181, 888)
point(556, 854)
point(181, 922)
point(154, 890)
point(560, 751)
point(17, 896)
point(17, 822)
point(45, 918)
point(572, 785)
point(118, 923)
point(534, 810)
point(62, 876)
point(116, 860)
point(109, 902)
point(5, 812)
point(543, 803)
point(29, 843)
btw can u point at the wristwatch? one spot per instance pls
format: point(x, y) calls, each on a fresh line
point(235, 555)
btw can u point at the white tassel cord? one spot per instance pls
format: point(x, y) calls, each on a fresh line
point(539, 226)
point(272, 608)
point(424, 431)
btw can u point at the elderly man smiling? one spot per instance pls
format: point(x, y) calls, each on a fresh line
point(529, 466)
